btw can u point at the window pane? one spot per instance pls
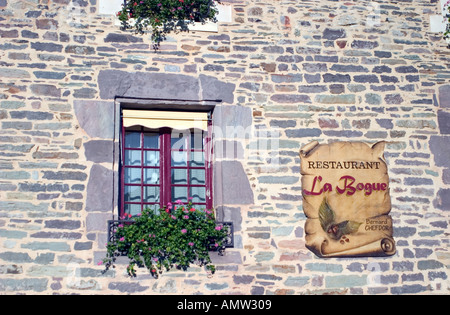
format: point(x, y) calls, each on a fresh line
point(179, 193)
point(151, 141)
point(178, 140)
point(197, 159)
point(132, 209)
point(179, 177)
point(133, 157)
point(132, 194)
point(179, 158)
point(132, 139)
point(198, 194)
point(197, 140)
point(198, 177)
point(151, 176)
point(151, 194)
point(151, 158)
point(132, 175)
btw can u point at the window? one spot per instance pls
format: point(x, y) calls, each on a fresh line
point(439, 23)
point(165, 157)
point(111, 7)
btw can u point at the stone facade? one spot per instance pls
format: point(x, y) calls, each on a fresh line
point(281, 74)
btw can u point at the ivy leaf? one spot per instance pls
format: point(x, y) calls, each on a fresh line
point(326, 215)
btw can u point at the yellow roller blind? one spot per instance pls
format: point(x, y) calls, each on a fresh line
point(159, 119)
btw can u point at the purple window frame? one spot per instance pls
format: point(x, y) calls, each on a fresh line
point(165, 168)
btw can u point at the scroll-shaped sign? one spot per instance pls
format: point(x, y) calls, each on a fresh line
point(346, 199)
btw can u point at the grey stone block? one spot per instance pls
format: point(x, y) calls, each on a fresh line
point(46, 90)
point(127, 287)
point(214, 89)
point(29, 284)
point(100, 190)
point(440, 147)
point(97, 221)
point(333, 34)
point(50, 47)
point(114, 83)
point(231, 150)
point(444, 122)
point(122, 38)
point(99, 151)
point(231, 179)
point(444, 96)
point(96, 118)
point(443, 199)
point(62, 224)
point(232, 122)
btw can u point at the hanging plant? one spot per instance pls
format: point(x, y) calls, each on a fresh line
point(176, 237)
point(447, 19)
point(161, 17)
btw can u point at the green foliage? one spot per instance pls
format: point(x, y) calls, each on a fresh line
point(168, 239)
point(447, 18)
point(161, 17)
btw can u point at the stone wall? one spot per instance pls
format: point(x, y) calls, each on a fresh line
point(287, 73)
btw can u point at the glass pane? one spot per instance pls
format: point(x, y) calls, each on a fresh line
point(179, 177)
point(179, 193)
point(132, 209)
point(198, 194)
point(178, 140)
point(132, 194)
point(197, 159)
point(151, 176)
point(197, 140)
point(132, 157)
point(132, 175)
point(151, 194)
point(151, 158)
point(132, 139)
point(198, 177)
point(151, 141)
point(179, 158)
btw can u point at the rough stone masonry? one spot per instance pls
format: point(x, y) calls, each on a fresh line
point(287, 73)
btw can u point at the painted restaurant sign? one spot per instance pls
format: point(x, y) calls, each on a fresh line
point(346, 199)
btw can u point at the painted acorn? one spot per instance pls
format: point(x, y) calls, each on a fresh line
point(335, 231)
